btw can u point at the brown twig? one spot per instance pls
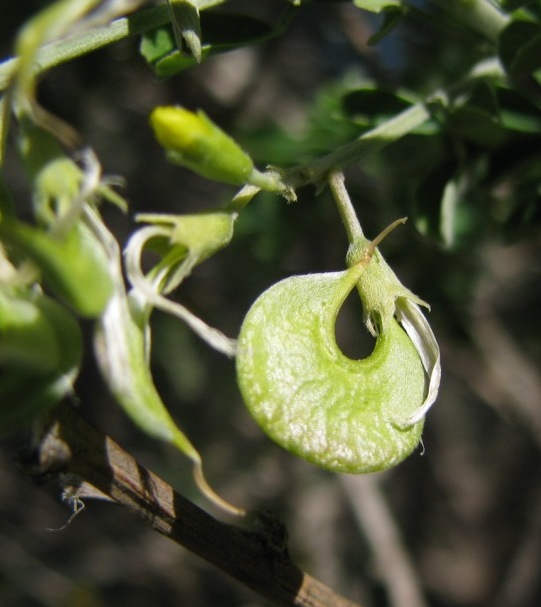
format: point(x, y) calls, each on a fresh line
point(89, 463)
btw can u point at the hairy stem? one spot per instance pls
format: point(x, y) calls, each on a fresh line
point(345, 207)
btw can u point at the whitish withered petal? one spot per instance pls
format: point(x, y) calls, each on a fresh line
point(147, 291)
point(410, 316)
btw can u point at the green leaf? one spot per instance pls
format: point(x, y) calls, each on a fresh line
point(520, 47)
point(27, 338)
point(36, 333)
point(435, 203)
point(157, 44)
point(490, 117)
point(121, 353)
point(369, 106)
point(25, 395)
point(341, 414)
point(73, 266)
point(393, 11)
point(376, 6)
point(512, 5)
point(7, 206)
point(518, 114)
point(221, 33)
point(186, 27)
point(476, 126)
point(40, 351)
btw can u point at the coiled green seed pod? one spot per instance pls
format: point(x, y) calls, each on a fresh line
point(341, 414)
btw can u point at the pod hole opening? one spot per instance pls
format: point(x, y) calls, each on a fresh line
point(351, 334)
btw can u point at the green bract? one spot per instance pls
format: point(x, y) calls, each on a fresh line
point(341, 414)
point(378, 286)
point(184, 241)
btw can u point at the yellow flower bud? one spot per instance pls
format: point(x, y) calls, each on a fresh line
point(194, 141)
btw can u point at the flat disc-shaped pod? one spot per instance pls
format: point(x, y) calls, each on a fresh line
point(341, 414)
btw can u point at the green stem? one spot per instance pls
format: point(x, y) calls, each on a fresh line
point(345, 207)
point(56, 53)
point(368, 143)
point(395, 128)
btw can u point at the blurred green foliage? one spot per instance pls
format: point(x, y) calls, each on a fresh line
point(304, 81)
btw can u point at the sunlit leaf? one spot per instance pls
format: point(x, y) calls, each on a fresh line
point(186, 27)
point(376, 6)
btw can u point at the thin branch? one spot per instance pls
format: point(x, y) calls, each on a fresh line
point(367, 144)
point(345, 207)
point(376, 520)
point(482, 16)
point(90, 464)
point(519, 582)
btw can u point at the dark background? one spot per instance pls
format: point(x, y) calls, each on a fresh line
point(466, 513)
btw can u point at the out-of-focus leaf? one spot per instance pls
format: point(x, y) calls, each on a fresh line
point(40, 350)
point(520, 47)
point(7, 206)
point(484, 97)
point(391, 18)
point(434, 214)
point(74, 266)
point(491, 116)
point(220, 33)
point(376, 6)
point(513, 5)
point(393, 11)
point(186, 27)
point(328, 127)
point(517, 113)
point(478, 119)
point(476, 126)
point(25, 395)
point(369, 106)
point(157, 43)
point(27, 338)
point(203, 4)
point(524, 216)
